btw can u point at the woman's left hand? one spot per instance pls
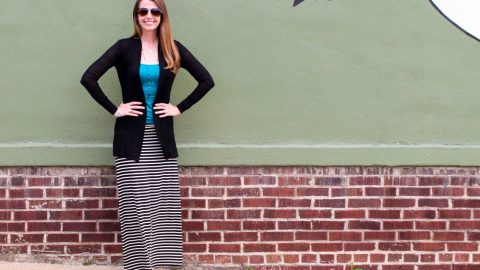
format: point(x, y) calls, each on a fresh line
point(166, 109)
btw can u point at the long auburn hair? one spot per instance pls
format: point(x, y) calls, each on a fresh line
point(164, 35)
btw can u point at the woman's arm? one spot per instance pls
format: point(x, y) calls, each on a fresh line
point(199, 72)
point(91, 76)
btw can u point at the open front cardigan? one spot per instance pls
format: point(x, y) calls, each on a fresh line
point(125, 56)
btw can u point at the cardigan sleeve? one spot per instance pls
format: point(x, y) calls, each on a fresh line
point(93, 73)
point(199, 72)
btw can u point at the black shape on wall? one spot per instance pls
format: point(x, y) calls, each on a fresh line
point(297, 2)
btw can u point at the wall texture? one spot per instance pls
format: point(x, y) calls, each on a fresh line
point(327, 82)
point(316, 218)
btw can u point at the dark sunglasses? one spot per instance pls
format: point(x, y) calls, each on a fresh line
point(144, 12)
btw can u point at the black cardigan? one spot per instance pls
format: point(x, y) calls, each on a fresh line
point(125, 55)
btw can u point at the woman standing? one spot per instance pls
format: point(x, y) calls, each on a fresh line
point(144, 142)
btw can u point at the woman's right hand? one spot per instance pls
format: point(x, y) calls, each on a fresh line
point(129, 109)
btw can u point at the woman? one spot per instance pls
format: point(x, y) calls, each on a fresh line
point(144, 143)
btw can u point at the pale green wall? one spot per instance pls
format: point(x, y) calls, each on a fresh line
point(328, 83)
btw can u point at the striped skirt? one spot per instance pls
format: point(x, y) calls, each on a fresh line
point(149, 207)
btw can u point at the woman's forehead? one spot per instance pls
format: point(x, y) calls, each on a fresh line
point(147, 4)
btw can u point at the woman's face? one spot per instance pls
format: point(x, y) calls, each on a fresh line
point(151, 20)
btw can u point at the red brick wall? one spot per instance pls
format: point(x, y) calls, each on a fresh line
point(318, 218)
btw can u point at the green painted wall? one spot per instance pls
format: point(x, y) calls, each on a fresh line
point(329, 82)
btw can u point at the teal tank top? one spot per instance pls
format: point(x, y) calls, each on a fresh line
point(149, 74)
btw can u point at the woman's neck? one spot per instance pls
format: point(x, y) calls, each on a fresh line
point(149, 37)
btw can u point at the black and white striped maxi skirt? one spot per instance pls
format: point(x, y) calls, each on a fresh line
point(149, 207)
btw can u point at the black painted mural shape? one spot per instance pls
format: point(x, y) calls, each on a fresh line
point(297, 2)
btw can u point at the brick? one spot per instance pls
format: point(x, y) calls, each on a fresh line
point(433, 181)
point(80, 226)
point(110, 203)
point(311, 235)
point(365, 181)
point(12, 227)
point(342, 214)
point(359, 246)
point(208, 192)
point(278, 191)
point(101, 214)
point(224, 181)
point(259, 180)
point(259, 202)
point(76, 249)
point(113, 248)
point(430, 225)
point(240, 192)
point(381, 191)
point(309, 258)
point(291, 258)
point(395, 246)
point(329, 181)
point(221, 225)
point(294, 202)
point(78, 203)
point(295, 225)
point(429, 246)
point(259, 247)
point(63, 237)
point(224, 203)
point(448, 236)
point(327, 247)
point(293, 246)
point(464, 225)
point(414, 235)
point(192, 181)
point(47, 249)
point(39, 181)
point(276, 236)
point(63, 192)
point(363, 225)
point(18, 181)
point(462, 246)
point(294, 180)
point(224, 248)
point(400, 181)
point(44, 204)
point(208, 214)
point(82, 181)
point(330, 203)
point(43, 226)
point(454, 214)
point(414, 191)
point(307, 213)
point(448, 191)
point(432, 203)
point(399, 203)
point(98, 237)
point(66, 215)
point(466, 203)
point(26, 238)
point(274, 213)
point(26, 193)
point(363, 203)
point(345, 236)
point(419, 214)
point(397, 225)
point(193, 203)
point(109, 226)
point(258, 225)
point(328, 225)
point(379, 236)
point(242, 214)
point(204, 236)
point(384, 214)
point(346, 192)
point(99, 192)
point(314, 191)
point(240, 236)
point(30, 215)
point(194, 248)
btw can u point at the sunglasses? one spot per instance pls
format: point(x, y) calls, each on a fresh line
point(154, 11)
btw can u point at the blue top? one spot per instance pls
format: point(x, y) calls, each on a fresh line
point(149, 74)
